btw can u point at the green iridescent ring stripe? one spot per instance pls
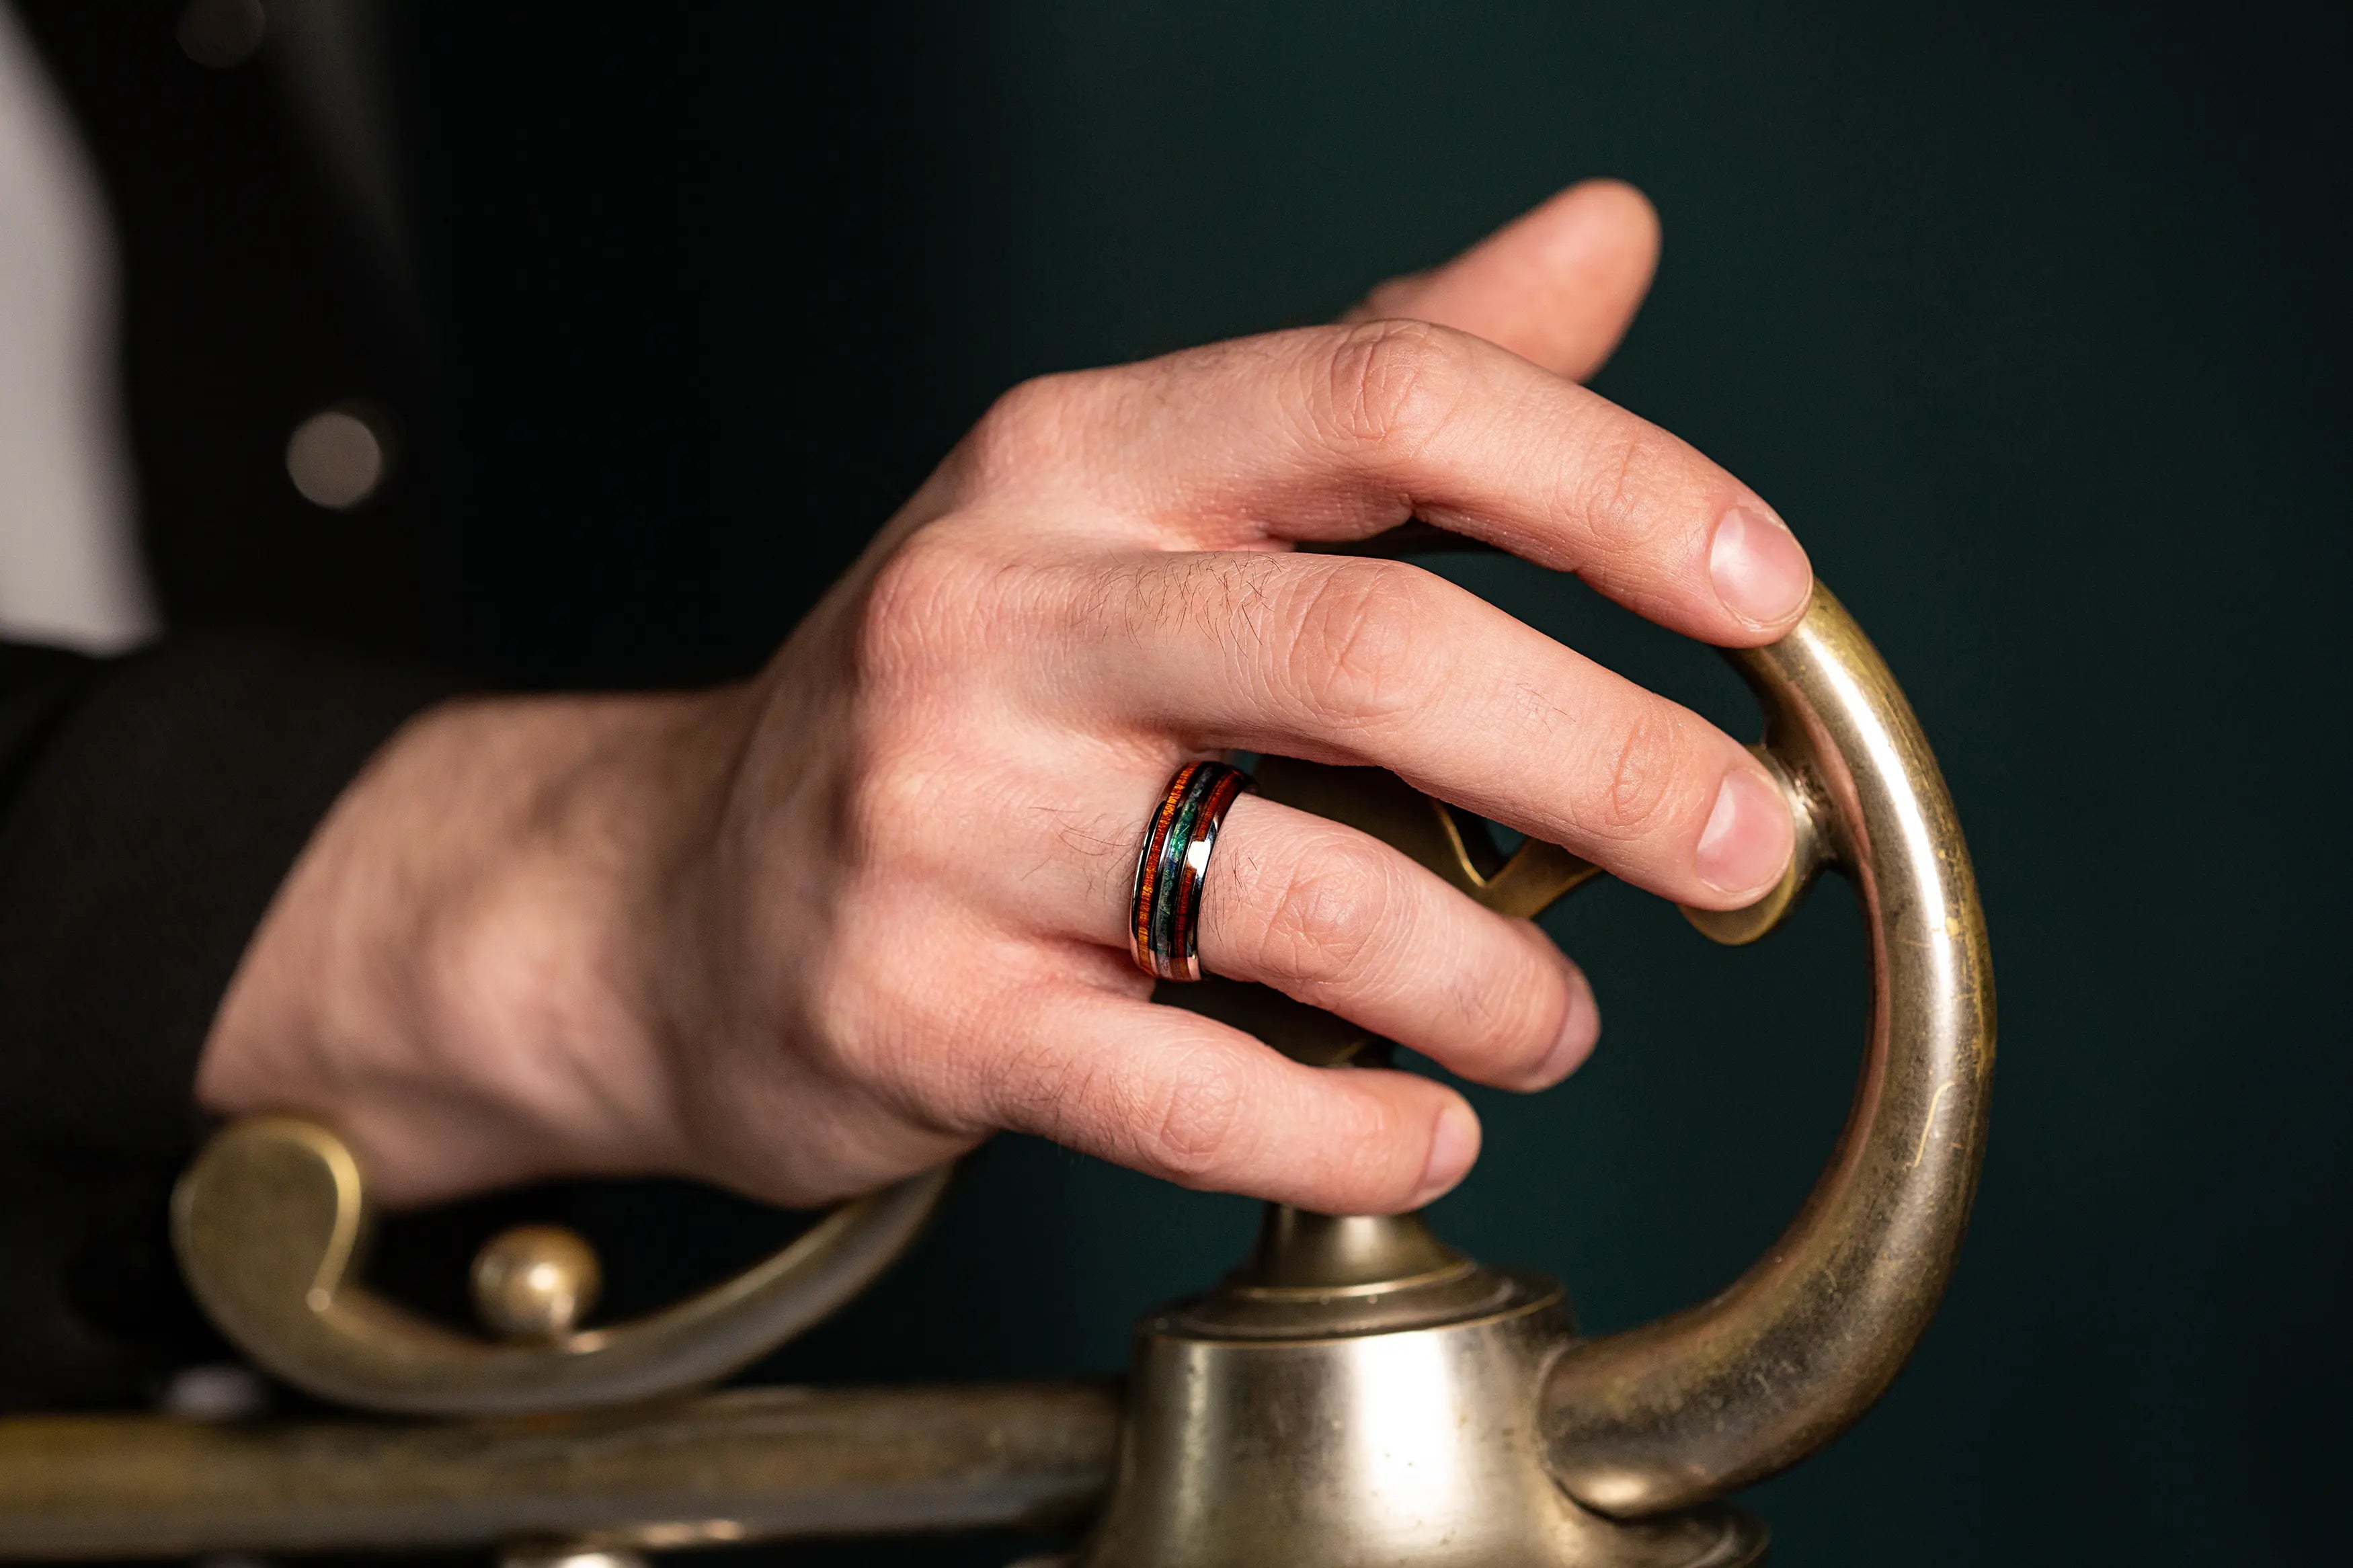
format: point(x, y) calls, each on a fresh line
point(1167, 846)
point(1164, 919)
point(1172, 870)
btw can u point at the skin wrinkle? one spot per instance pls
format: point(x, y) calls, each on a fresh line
point(1199, 1111)
point(1324, 917)
point(1187, 502)
point(1373, 391)
point(1607, 489)
point(1352, 660)
point(904, 602)
point(1137, 1114)
point(1643, 778)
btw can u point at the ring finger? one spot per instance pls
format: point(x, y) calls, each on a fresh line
point(1335, 918)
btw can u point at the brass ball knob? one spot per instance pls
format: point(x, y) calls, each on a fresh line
point(534, 1282)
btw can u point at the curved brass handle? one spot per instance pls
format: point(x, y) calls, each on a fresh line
point(1727, 1392)
point(271, 1221)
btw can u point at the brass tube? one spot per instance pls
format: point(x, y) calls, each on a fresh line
point(749, 1465)
point(1729, 1392)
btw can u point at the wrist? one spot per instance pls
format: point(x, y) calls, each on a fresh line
point(469, 971)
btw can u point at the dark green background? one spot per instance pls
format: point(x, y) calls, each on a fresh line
point(2032, 323)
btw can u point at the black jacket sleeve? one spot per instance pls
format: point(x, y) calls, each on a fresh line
point(149, 808)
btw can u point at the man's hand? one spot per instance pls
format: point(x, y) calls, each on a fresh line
point(806, 936)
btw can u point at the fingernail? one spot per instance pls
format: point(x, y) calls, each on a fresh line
point(1748, 834)
point(1579, 1027)
point(1452, 1147)
point(1760, 569)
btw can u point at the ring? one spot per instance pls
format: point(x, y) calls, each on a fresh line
point(1164, 915)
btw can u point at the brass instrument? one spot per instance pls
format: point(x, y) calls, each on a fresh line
point(1356, 1391)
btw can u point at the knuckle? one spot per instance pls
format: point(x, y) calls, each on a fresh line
point(1391, 296)
point(852, 1035)
point(1643, 777)
point(1190, 1131)
point(1327, 917)
point(924, 586)
point(1515, 1026)
point(1028, 430)
point(1359, 642)
point(1180, 1120)
point(1388, 386)
point(946, 597)
point(1379, 1159)
point(1618, 486)
point(896, 786)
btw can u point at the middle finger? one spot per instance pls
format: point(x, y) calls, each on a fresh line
point(1342, 659)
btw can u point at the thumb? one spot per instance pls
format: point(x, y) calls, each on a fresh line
point(1559, 285)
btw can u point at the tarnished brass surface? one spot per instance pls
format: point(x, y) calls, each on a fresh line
point(1725, 1393)
point(1320, 1254)
point(751, 1465)
point(1416, 1447)
point(534, 1282)
point(271, 1221)
point(1315, 1276)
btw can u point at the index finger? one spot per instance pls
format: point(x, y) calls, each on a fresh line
point(1334, 434)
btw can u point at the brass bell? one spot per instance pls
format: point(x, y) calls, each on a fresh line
point(1356, 1391)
